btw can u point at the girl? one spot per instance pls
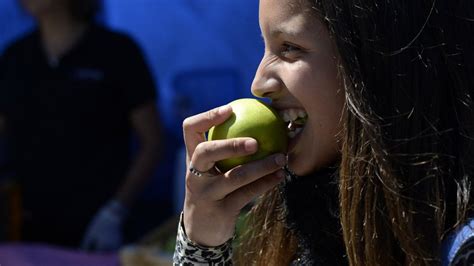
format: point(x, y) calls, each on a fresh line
point(381, 171)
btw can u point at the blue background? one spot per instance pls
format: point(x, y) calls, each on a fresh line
point(202, 53)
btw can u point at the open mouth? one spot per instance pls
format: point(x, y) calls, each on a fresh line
point(295, 120)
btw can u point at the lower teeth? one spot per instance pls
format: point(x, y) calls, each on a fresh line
point(293, 133)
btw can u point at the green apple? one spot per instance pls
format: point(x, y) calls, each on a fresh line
point(255, 119)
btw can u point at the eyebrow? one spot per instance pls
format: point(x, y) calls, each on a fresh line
point(276, 32)
point(281, 30)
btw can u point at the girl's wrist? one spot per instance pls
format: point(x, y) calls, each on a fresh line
point(205, 231)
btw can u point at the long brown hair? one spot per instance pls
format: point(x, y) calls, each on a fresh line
point(407, 153)
point(267, 241)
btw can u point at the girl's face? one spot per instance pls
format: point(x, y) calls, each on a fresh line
point(38, 8)
point(299, 73)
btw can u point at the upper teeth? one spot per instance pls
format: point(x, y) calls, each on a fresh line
point(289, 115)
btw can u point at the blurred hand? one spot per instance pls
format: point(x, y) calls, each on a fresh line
point(104, 232)
point(213, 200)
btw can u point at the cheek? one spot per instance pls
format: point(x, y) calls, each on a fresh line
point(301, 81)
point(321, 93)
point(317, 86)
point(325, 105)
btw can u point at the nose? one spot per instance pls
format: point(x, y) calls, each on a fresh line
point(266, 83)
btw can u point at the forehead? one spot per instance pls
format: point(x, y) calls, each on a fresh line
point(289, 6)
point(288, 16)
point(300, 6)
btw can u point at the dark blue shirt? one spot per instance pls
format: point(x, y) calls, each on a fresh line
point(68, 123)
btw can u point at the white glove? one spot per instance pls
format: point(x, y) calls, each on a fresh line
point(104, 232)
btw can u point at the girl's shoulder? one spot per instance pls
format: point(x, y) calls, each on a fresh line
point(458, 248)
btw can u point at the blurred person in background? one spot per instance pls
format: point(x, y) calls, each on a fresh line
point(71, 94)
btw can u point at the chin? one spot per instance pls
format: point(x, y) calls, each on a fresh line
point(298, 165)
point(305, 164)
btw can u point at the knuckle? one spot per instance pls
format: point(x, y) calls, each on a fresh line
point(202, 146)
point(237, 146)
point(206, 147)
point(198, 149)
point(211, 114)
point(236, 178)
point(237, 175)
point(186, 123)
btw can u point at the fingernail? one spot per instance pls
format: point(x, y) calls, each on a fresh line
point(224, 109)
point(280, 160)
point(250, 145)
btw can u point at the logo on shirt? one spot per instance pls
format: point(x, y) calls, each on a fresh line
point(88, 74)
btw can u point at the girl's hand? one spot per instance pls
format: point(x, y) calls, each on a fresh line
point(213, 201)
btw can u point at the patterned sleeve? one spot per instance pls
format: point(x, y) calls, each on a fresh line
point(465, 255)
point(458, 247)
point(189, 253)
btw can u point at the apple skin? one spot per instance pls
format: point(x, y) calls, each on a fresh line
point(256, 119)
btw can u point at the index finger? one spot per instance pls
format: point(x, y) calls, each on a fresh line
point(195, 126)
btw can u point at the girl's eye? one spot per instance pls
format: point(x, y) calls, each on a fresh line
point(289, 50)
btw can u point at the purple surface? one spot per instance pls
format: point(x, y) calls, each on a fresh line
point(43, 255)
